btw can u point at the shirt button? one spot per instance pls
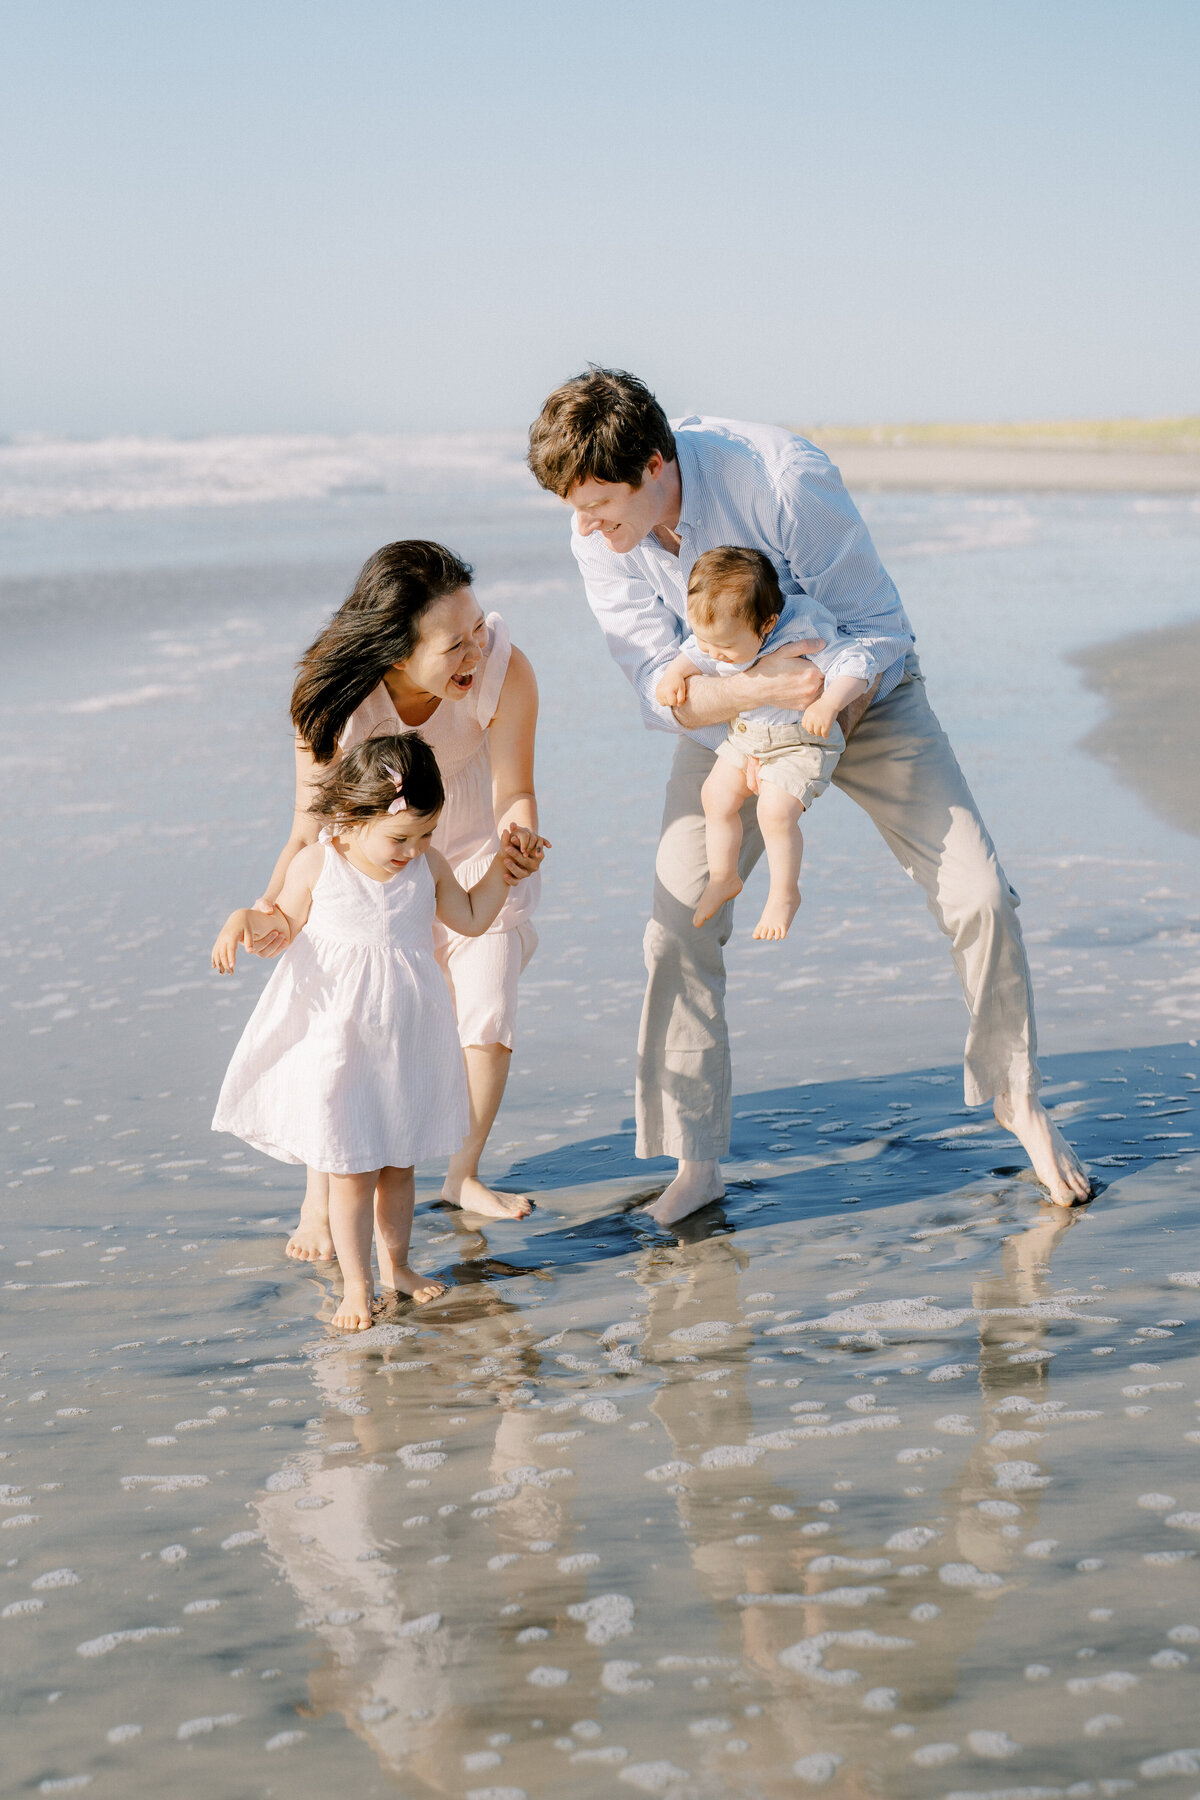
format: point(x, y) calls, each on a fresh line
point(741, 725)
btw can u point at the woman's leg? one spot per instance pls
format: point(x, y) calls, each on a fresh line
point(351, 1218)
point(394, 1195)
point(311, 1240)
point(483, 973)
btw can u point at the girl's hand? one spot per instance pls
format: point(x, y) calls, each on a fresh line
point(264, 943)
point(224, 954)
point(521, 853)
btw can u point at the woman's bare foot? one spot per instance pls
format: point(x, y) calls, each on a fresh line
point(475, 1197)
point(777, 915)
point(311, 1241)
point(419, 1288)
point(714, 898)
point(697, 1184)
point(354, 1313)
point(1054, 1162)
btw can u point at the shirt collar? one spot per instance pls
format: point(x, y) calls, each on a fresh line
point(689, 476)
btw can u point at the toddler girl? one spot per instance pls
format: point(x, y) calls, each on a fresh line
point(734, 610)
point(350, 1062)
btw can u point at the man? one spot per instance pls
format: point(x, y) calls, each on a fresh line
point(648, 499)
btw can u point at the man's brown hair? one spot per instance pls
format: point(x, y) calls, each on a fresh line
point(604, 425)
point(733, 583)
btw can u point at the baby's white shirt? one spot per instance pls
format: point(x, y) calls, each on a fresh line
point(793, 628)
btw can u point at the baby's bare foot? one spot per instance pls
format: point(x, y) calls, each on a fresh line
point(777, 915)
point(475, 1197)
point(311, 1242)
point(354, 1313)
point(714, 898)
point(419, 1288)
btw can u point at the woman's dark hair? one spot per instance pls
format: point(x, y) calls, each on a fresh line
point(380, 624)
point(365, 784)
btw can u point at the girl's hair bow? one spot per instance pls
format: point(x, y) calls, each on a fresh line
point(399, 804)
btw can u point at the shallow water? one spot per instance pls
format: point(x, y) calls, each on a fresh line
point(882, 1476)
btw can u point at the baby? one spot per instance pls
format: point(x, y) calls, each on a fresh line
point(735, 610)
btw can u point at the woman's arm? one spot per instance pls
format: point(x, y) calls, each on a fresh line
point(511, 736)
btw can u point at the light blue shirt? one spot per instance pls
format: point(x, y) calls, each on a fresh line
point(759, 487)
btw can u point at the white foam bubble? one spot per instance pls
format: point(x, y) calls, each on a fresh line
point(1184, 1521)
point(545, 1675)
point(419, 1627)
point(607, 1616)
point(111, 1640)
point(600, 1412)
point(653, 1777)
point(56, 1578)
point(818, 1767)
point(995, 1744)
point(209, 1722)
point(1174, 1762)
point(966, 1575)
point(201, 1606)
point(575, 1565)
point(122, 1734)
point(238, 1538)
point(668, 1471)
point(19, 1609)
point(730, 1456)
point(807, 1657)
point(284, 1740)
point(914, 1537)
point(619, 1678)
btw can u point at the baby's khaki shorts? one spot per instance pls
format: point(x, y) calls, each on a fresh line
point(787, 755)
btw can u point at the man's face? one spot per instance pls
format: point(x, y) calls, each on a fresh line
point(622, 514)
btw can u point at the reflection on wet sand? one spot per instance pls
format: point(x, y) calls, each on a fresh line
point(466, 1627)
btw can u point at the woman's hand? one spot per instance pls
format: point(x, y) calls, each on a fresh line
point(521, 853)
point(260, 942)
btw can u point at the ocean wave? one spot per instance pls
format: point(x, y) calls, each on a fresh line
point(47, 477)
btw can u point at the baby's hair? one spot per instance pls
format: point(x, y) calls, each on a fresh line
point(731, 583)
point(362, 785)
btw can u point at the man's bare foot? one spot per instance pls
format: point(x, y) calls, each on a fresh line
point(311, 1242)
point(697, 1184)
point(475, 1197)
point(777, 915)
point(419, 1288)
point(714, 897)
point(1054, 1162)
point(354, 1313)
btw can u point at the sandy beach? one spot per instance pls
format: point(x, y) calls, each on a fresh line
point(1150, 737)
point(965, 469)
point(880, 1477)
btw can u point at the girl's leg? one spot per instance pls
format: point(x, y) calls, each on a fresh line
point(722, 796)
point(487, 1068)
point(393, 1229)
point(350, 1220)
point(311, 1242)
point(779, 821)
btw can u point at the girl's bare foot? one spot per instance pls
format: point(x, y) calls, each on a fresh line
point(697, 1184)
point(1054, 1162)
point(354, 1313)
point(714, 897)
point(777, 915)
point(311, 1241)
point(419, 1288)
point(475, 1197)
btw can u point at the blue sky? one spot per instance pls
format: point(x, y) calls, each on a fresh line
point(383, 215)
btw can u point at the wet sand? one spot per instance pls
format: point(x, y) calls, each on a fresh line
point(1151, 736)
point(883, 1476)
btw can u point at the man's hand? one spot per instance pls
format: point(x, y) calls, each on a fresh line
point(787, 677)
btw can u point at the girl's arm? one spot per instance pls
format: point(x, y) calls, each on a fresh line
point(251, 926)
point(472, 911)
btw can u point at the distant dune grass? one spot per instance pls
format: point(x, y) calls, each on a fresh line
point(1178, 435)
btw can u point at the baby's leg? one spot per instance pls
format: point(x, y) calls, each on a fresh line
point(722, 796)
point(350, 1211)
point(779, 821)
point(393, 1229)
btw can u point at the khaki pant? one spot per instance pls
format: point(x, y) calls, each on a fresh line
point(899, 767)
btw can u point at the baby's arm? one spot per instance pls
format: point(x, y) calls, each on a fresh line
point(838, 692)
point(672, 689)
point(471, 912)
point(248, 927)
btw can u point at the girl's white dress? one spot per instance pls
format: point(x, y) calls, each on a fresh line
point(351, 1061)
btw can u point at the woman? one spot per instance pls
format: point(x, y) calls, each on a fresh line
point(411, 650)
